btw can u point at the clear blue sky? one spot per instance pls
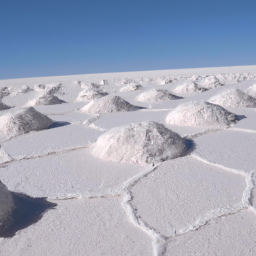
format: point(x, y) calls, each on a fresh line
point(60, 37)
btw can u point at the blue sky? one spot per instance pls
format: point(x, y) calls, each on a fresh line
point(60, 37)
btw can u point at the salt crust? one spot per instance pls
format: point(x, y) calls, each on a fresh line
point(23, 120)
point(156, 95)
point(108, 104)
point(200, 113)
point(141, 143)
point(233, 98)
point(6, 204)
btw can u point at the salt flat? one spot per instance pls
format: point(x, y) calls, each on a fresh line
point(137, 163)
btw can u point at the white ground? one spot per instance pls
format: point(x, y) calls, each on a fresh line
point(202, 203)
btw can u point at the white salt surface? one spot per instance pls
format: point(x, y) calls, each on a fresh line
point(229, 235)
point(80, 227)
point(189, 190)
point(78, 175)
point(202, 203)
point(49, 141)
point(232, 149)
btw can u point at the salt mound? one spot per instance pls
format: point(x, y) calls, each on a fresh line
point(46, 99)
point(200, 113)
point(251, 91)
point(142, 143)
point(209, 82)
point(3, 106)
point(4, 91)
point(87, 85)
point(24, 89)
point(23, 120)
point(233, 98)
point(188, 87)
point(50, 89)
point(156, 95)
point(133, 87)
point(6, 205)
point(91, 94)
point(108, 104)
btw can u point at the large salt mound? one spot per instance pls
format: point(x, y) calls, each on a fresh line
point(200, 113)
point(233, 98)
point(23, 120)
point(156, 95)
point(209, 82)
point(188, 87)
point(46, 99)
point(142, 143)
point(131, 87)
point(109, 104)
point(6, 205)
point(251, 91)
point(91, 94)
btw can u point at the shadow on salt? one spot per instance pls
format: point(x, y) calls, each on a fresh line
point(27, 211)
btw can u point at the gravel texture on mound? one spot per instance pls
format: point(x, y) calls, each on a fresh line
point(23, 120)
point(188, 87)
point(46, 99)
point(251, 91)
point(109, 104)
point(141, 143)
point(6, 205)
point(91, 94)
point(209, 82)
point(133, 87)
point(3, 106)
point(156, 95)
point(200, 113)
point(234, 98)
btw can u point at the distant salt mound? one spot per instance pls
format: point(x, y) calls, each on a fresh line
point(251, 91)
point(209, 82)
point(46, 99)
point(132, 87)
point(200, 113)
point(6, 205)
point(91, 94)
point(188, 87)
point(3, 106)
point(24, 89)
point(23, 120)
point(233, 98)
point(109, 104)
point(156, 95)
point(87, 85)
point(4, 91)
point(49, 89)
point(142, 143)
